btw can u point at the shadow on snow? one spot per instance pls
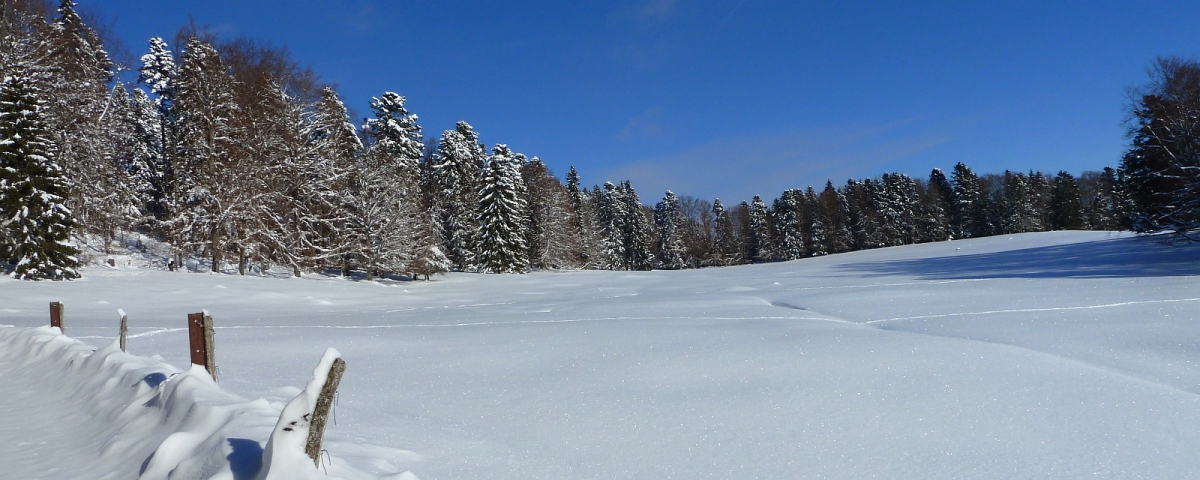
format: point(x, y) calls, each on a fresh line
point(1110, 258)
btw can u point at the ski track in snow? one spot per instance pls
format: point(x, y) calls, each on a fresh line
point(1027, 310)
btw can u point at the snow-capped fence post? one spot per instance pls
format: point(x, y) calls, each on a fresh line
point(316, 429)
point(301, 426)
point(200, 336)
point(56, 315)
point(124, 328)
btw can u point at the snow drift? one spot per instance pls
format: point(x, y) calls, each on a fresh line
point(117, 415)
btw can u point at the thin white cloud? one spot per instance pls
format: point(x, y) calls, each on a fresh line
point(655, 10)
point(645, 125)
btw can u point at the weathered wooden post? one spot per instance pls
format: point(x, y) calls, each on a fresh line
point(200, 335)
point(124, 327)
point(56, 315)
point(316, 429)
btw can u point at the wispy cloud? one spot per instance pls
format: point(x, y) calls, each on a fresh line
point(363, 18)
point(654, 10)
point(645, 125)
point(738, 168)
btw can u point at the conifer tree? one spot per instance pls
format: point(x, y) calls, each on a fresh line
point(610, 214)
point(335, 145)
point(758, 239)
point(502, 211)
point(457, 162)
point(669, 224)
point(204, 192)
point(785, 217)
point(590, 251)
point(725, 248)
point(1019, 214)
point(834, 210)
point(35, 223)
point(637, 234)
point(937, 208)
point(969, 216)
point(1066, 209)
point(157, 127)
point(815, 240)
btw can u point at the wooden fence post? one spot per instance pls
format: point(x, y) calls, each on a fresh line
point(124, 329)
point(316, 427)
point(200, 335)
point(56, 315)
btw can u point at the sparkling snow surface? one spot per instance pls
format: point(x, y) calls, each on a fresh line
point(1049, 355)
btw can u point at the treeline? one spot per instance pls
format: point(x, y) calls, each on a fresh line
point(231, 151)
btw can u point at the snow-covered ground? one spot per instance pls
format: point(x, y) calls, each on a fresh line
point(1070, 354)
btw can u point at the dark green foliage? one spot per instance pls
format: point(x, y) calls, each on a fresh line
point(1162, 166)
point(1066, 208)
point(36, 225)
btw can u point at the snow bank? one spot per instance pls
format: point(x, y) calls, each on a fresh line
point(108, 414)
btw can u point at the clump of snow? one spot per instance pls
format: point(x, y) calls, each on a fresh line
point(284, 456)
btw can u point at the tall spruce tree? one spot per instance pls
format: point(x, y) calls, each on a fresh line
point(785, 214)
point(1066, 208)
point(726, 248)
point(457, 163)
point(669, 224)
point(758, 239)
point(502, 212)
point(206, 192)
point(970, 218)
point(637, 233)
point(35, 222)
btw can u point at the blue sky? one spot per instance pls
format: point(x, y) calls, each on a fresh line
point(730, 98)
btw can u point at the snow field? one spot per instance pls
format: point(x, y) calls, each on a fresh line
point(1032, 356)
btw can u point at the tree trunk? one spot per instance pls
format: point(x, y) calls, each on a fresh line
point(242, 261)
point(216, 254)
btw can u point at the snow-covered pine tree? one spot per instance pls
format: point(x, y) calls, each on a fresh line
point(590, 251)
point(383, 212)
point(785, 217)
point(815, 235)
point(158, 127)
point(502, 211)
point(834, 210)
point(396, 144)
point(35, 222)
point(335, 145)
point(1066, 208)
point(758, 238)
point(205, 193)
point(668, 224)
point(897, 201)
point(610, 214)
point(937, 206)
point(970, 217)
point(1019, 212)
point(637, 230)
point(77, 98)
point(394, 132)
point(457, 163)
point(726, 246)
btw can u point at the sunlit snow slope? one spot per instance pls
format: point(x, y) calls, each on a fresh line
point(1030, 356)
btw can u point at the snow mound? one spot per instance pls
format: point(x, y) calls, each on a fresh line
point(109, 414)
